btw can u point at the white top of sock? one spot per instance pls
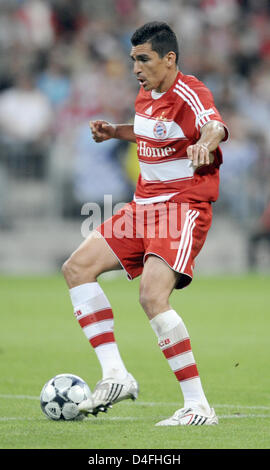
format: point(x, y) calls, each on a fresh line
point(165, 321)
point(80, 294)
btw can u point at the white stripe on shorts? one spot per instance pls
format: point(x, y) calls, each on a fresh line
point(185, 245)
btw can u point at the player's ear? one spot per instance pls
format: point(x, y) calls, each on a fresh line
point(171, 59)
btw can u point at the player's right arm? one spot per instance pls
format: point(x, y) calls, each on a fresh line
point(103, 130)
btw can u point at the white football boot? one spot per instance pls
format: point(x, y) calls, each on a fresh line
point(189, 417)
point(108, 392)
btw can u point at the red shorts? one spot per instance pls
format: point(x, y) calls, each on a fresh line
point(175, 232)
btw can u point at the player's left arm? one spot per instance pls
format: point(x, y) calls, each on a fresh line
point(200, 153)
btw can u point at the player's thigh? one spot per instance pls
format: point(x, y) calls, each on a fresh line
point(90, 259)
point(157, 281)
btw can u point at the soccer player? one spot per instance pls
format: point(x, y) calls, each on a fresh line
point(178, 130)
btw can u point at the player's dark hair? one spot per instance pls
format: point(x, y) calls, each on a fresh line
point(160, 35)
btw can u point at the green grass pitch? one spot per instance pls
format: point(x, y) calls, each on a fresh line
point(228, 321)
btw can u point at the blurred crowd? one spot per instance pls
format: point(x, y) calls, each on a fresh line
point(64, 62)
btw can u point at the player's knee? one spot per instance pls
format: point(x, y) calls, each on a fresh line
point(145, 301)
point(67, 269)
point(71, 271)
point(152, 301)
point(76, 271)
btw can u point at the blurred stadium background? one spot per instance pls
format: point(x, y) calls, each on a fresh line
point(64, 62)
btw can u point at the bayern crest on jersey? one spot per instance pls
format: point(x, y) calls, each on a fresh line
point(160, 130)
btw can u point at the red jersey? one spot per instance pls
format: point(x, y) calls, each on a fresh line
point(165, 125)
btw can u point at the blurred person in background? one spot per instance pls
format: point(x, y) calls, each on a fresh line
point(25, 127)
point(259, 235)
point(240, 154)
point(54, 82)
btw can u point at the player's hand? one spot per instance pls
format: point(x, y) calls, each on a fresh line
point(199, 155)
point(102, 130)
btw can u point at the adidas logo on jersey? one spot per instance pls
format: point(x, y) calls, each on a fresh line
point(149, 111)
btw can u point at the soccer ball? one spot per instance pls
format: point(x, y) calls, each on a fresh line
point(61, 395)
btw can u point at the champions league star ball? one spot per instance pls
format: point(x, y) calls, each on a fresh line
point(60, 397)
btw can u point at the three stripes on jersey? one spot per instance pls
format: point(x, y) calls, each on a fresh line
point(192, 99)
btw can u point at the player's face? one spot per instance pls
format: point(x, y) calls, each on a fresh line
point(152, 72)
